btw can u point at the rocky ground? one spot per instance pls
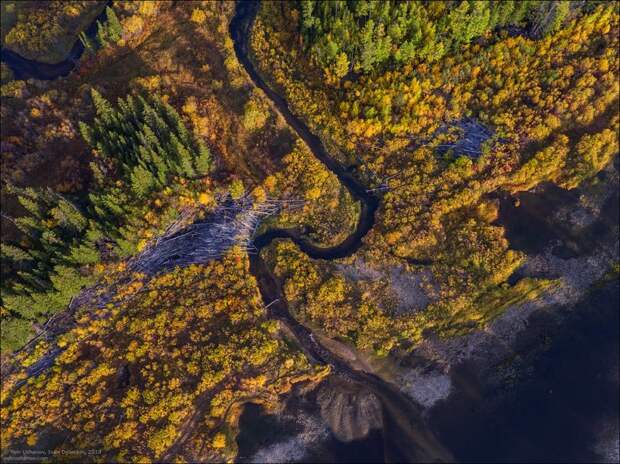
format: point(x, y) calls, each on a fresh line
point(590, 230)
point(579, 246)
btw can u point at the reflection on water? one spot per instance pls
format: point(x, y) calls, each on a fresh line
point(527, 217)
point(299, 435)
point(531, 224)
point(556, 400)
point(564, 390)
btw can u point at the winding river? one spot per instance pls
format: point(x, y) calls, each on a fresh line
point(525, 431)
point(409, 438)
point(405, 432)
point(24, 68)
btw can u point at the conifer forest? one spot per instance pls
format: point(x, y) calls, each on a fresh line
point(335, 231)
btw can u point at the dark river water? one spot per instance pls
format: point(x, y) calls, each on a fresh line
point(565, 390)
point(24, 68)
point(565, 387)
point(565, 382)
point(555, 407)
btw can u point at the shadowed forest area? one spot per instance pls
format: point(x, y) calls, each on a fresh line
point(362, 225)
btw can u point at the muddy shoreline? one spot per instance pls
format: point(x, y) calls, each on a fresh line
point(410, 438)
point(477, 397)
point(550, 400)
point(547, 394)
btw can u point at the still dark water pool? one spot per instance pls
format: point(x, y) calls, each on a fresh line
point(565, 391)
point(563, 386)
point(566, 383)
point(559, 391)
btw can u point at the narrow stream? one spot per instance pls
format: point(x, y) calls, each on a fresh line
point(408, 437)
point(240, 30)
point(23, 68)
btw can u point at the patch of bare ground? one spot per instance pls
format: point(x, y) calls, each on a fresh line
point(402, 291)
point(495, 342)
point(350, 410)
point(595, 232)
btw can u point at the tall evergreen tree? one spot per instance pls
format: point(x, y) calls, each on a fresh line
point(142, 180)
point(14, 253)
point(115, 30)
point(102, 106)
point(102, 34)
point(203, 160)
point(89, 45)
